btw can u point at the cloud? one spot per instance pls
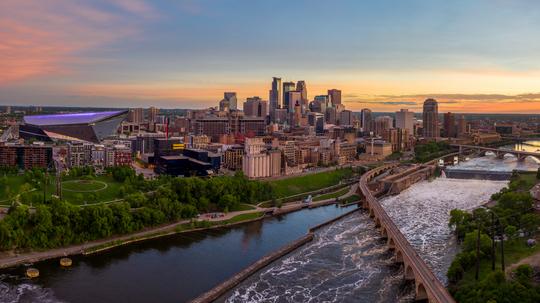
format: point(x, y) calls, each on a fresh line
point(42, 37)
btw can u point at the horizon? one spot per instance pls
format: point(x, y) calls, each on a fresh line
point(473, 57)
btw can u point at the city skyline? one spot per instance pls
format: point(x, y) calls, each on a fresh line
point(470, 56)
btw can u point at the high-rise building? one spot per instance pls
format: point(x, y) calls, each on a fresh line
point(382, 124)
point(136, 115)
point(293, 97)
point(275, 96)
point(345, 118)
point(229, 102)
point(301, 87)
point(255, 107)
point(331, 115)
point(287, 87)
point(366, 120)
point(405, 120)
point(231, 97)
point(316, 120)
point(152, 114)
point(335, 96)
point(430, 119)
point(461, 125)
point(449, 125)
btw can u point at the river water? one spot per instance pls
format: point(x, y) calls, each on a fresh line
point(170, 269)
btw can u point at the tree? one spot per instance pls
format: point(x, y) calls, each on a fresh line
point(511, 232)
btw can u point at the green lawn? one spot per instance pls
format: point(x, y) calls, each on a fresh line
point(302, 184)
point(332, 195)
point(101, 189)
point(243, 207)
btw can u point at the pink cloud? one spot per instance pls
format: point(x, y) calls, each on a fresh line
point(41, 37)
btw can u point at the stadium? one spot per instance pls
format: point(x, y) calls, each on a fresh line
point(91, 126)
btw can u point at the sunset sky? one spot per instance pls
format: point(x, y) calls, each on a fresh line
point(472, 55)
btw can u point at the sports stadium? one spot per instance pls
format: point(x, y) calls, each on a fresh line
point(91, 126)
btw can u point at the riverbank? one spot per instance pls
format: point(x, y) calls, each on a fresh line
point(10, 259)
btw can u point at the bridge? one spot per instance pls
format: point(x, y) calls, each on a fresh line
point(427, 286)
point(521, 155)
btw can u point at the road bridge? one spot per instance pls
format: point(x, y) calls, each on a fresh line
point(520, 155)
point(427, 286)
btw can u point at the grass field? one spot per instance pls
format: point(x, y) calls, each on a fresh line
point(100, 189)
point(332, 195)
point(301, 184)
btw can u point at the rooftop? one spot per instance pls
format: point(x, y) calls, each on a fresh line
point(76, 118)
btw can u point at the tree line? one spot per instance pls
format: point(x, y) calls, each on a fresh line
point(146, 203)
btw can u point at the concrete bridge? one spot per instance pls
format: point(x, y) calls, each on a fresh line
point(427, 286)
point(520, 155)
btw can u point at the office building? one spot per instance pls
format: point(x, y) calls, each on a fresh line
point(136, 115)
point(345, 118)
point(405, 120)
point(334, 96)
point(152, 114)
point(255, 107)
point(461, 128)
point(430, 119)
point(275, 97)
point(366, 121)
point(287, 87)
point(449, 125)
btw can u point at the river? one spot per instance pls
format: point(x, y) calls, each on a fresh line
point(170, 269)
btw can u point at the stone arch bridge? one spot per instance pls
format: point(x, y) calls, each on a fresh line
point(427, 286)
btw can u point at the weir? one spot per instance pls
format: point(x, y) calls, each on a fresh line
point(427, 286)
point(477, 174)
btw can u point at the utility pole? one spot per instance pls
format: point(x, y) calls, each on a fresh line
point(492, 241)
point(502, 246)
point(477, 250)
point(45, 187)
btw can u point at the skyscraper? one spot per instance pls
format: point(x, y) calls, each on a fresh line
point(294, 97)
point(231, 98)
point(287, 87)
point(366, 120)
point(461, 125)
point(345, 118)
point(449, 125)
point(152, 114)
point(405, 120)
point(335, 96)
point(301, 87)
point(275, 96)
point(430, 119)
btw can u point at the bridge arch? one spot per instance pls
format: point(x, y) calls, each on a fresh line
point(384, 233)
point(421, 293)
point(409, 272)
point(399, 256)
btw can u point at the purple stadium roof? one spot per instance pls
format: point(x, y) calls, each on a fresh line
point(63, 119)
